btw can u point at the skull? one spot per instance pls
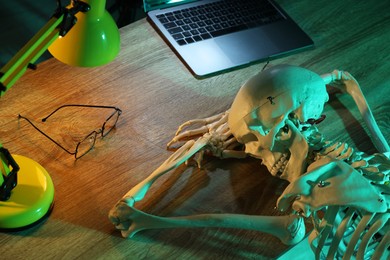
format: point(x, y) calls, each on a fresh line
point(271, 113)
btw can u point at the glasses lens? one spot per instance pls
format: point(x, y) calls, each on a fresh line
point(85, 145)
point(110, 123)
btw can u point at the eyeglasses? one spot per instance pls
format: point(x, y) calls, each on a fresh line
point(88, 142)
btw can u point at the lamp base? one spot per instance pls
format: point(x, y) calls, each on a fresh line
point(31, 200)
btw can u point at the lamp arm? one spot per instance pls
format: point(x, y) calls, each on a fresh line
point(29, 54)
point(8, 180)
point(60, 23)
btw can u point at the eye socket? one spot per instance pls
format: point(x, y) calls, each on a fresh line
point(291, 115)
point(285, 128)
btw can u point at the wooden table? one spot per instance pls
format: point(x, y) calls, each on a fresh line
point(157, 93)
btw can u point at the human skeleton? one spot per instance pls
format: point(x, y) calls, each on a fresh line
point(346, 193)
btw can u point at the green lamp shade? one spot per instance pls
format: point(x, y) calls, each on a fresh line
point(93, 41)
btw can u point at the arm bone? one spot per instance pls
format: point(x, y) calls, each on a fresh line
point(351, 86)
point(289, 229)
point(191, 147)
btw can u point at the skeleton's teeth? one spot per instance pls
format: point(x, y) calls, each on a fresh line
point(280, 165)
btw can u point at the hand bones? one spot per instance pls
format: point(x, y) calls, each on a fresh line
point(272, 116)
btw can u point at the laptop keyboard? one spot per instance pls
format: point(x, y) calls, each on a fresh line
point(219, 18)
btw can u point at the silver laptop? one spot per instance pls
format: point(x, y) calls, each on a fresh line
point(212, 36)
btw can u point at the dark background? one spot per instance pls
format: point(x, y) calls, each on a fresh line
point(20, 20)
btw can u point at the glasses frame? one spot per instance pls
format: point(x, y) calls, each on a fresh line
point(94, 133)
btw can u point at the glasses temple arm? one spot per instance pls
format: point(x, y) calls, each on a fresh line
point(74, 105)
point(47, 136)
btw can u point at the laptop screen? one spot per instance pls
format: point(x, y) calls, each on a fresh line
point(159, 4)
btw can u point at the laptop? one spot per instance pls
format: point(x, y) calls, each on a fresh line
point(214, 36)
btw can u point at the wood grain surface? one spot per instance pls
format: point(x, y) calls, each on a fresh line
point(157, 93)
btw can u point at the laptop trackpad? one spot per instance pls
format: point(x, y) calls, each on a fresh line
point(247, 47)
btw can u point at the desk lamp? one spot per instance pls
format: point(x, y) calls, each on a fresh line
point(81, 34)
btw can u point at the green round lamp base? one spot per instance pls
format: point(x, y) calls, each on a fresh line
point(31, 200)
